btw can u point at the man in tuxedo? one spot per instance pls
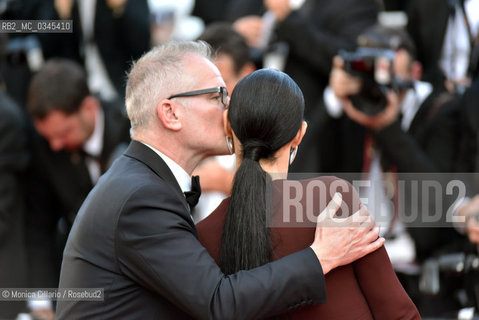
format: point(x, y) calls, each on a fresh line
point(107, 36)
point(134, 235)
point(77, 136)
point(447, 41)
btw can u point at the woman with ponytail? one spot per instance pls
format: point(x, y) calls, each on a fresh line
point(261, 221)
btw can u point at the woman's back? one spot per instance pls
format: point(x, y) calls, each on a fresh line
point(365, 289)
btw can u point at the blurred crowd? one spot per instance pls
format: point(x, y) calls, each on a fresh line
point(391, 93)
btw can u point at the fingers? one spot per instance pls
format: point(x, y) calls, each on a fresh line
point(371, 235)
point(338, 62)
point(472, 230)
point(392, 96)
point(392, 102)
point(326, 217)
point(373, 246)
point(361, 218)
point(334, 204)
point(332, 207)
point(370, 242)
point(357, 116)
point(474, 237)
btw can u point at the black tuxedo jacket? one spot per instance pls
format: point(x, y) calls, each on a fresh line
point(121, 38)
point(468, 159)
point(427, 24)
point(314, 33)
point(13, 162)
point(134, 237)
point(58, 182)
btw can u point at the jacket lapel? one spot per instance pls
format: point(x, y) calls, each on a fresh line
point(147, 156)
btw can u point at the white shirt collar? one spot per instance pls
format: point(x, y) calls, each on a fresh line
point(454, 59)
point(412, 101)
point(94, 145)
point(181, 176)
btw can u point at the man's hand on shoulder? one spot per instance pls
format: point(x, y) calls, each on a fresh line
point(340, 241)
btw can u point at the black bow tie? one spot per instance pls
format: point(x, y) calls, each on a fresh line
point(193, 196)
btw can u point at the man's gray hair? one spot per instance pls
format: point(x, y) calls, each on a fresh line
point(158, 74)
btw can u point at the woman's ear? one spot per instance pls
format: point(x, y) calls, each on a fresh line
point(227, 125)
point(299, 136)
point(167, 112)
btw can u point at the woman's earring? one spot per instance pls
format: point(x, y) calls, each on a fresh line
point(292, 154)
point(229, 143)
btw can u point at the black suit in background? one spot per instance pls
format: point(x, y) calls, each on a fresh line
point(395, 5)
point(135, 238)
point(468, 162)
point(58, 184)
point(226, 10)
point(315, 33)
point(121, 38)
point(468, 159)
point(428, 31)
point(13, 162)
point(427, 24)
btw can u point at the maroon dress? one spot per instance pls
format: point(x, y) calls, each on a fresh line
point(365, 289)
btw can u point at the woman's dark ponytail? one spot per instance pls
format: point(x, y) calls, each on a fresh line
point(265, 113)
point(246, 233)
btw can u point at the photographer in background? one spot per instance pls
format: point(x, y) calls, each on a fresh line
point(401, 126)
point(402, 122)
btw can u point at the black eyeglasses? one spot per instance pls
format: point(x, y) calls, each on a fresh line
point(222, 90)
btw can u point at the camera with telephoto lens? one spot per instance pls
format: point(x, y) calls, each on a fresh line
point(375, 69)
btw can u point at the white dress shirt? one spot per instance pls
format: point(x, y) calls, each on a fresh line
point(97, 76)
point(94, 146)
point(454, 60)
point(181, 176)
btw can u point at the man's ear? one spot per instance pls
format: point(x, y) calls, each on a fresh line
point(89, 107)
point(227, 124)
point(168, 113)
point(416, 70)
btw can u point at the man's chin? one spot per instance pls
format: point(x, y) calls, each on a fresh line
point(222, 152)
